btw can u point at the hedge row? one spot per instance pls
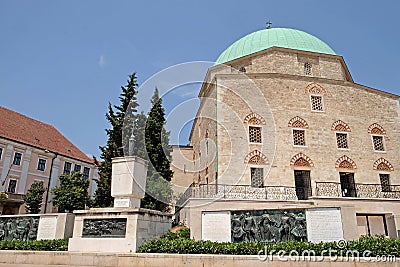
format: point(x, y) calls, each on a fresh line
point(378, 245)
point(44, 245)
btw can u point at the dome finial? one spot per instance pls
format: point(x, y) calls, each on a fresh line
point(269, 24)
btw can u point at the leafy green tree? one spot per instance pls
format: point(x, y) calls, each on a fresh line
point(158, 189)
point(34, 197)
point(121, 117)
point(72, 193)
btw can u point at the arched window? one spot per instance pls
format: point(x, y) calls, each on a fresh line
point(254, 122)
point(383, 165)
point(384, 168)
point(301, 160)
point(316, 93)
point(298, 126)
point(378, 137)
point(342, 137)
point(256, 157)
point(307, 69)
point(344, 162)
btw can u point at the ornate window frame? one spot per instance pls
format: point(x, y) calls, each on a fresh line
point(304, 158)
point(340, 127)
point(298, 124)
point(261, 159)
point(316, 90)
point(376, 130)
point(344, 158)
point(256, 121)
point(385, 162)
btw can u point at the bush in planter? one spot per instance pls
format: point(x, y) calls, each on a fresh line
point(43, 245)
point(378, 245)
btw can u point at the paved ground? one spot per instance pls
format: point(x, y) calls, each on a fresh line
point(35, 265)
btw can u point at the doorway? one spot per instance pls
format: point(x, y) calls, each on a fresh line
point(303, 184)
point(347, 184)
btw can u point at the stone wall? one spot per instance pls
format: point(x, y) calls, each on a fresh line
point(291, 62)
point(182, 166)
point(285, 98)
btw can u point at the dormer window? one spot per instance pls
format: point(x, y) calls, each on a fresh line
point(307, 69)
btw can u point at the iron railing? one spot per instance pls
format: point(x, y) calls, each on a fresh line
point(237, 192)
point(332, 189)
point(325, 189)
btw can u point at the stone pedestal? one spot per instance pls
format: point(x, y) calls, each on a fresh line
point(126, 226)
point(116, 230)
point(128, 184)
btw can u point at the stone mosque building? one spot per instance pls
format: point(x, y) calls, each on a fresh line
point(285, 145)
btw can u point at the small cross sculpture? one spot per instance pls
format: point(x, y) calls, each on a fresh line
point(269, 24)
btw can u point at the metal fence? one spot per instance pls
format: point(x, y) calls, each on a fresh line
point(224, 191)
point(332, 189)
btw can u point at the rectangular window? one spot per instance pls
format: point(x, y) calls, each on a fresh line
point(299, 137)
point(255, 134)
point(378, 143)
point(341, 140)
point(1, 152)
point(370, 224)
point(385, 182)
point(77, 168)
point(17, 158)
point(257, 177)
point(41, 165)
point(316, 103)
point(67, 167)
point(12, 186)
point(86, 172)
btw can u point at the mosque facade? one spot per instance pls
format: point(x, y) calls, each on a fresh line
point(284, 138)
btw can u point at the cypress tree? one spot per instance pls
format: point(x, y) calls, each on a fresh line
point(158, 189)
point(139, 147)
point(121, 118)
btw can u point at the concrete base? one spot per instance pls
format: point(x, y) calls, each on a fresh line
point(141, 225)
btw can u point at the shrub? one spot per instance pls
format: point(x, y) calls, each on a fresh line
point(172, 243)
point(44, 245)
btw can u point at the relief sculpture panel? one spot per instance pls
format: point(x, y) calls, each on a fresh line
point(18, 228)
point(268, 225)
point(106, 228)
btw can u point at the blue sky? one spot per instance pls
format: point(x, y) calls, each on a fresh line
point(61, 62)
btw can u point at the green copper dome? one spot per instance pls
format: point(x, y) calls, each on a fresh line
point(279, 37)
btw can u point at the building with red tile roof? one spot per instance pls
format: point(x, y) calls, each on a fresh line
point(31, 150)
